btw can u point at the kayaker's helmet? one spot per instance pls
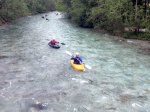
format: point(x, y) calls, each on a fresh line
point(53, 38)
point(77, 54)
point(37, 102)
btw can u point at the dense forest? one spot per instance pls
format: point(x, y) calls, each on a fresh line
point(115, 16)
point(12, 9)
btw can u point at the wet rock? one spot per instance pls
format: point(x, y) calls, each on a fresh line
point(63, 93)
point(109, 107)
point(145, 51)
point(142, 95)
point(129, 41)
point(126, 96)
point(112, 109)
point(1, 57)
point(38, 105)
point(22, 80)
point(31, 80)
point(90, 81)
point(2, 21)
point(32, 110)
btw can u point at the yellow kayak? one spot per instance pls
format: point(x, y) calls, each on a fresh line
point(78, 67)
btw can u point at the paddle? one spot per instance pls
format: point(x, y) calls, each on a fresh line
point(60, 43)
point(87, 66)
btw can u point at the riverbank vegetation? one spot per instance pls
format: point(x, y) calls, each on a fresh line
point(12, 9)
point(129, 18)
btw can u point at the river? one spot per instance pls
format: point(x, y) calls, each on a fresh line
point(30, 70)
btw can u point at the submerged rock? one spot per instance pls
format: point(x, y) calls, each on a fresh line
point(38, 105)
point(1, 57)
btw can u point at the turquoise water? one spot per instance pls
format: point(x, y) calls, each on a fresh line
point(30, 70)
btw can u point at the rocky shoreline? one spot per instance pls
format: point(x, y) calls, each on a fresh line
point(142, 45)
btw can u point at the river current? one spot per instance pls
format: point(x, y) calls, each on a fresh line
point(30, 70)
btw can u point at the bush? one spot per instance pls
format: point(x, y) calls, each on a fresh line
point(141, 35)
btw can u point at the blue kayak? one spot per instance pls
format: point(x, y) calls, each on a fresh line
point(57, 46)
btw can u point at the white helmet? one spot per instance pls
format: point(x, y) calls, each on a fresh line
point(53, 38)
point(77, 53)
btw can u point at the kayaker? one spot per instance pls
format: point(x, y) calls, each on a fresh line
point(43, 17)
point(53, 42)
point(77, 59)
point(47, 19)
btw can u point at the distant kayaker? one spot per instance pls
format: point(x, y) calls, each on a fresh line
point(43, 17)
point(77, 59)
point(47, 19)
point(53, 42)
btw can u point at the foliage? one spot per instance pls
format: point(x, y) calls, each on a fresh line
point(62, 5)
point(12, 9)
point(111, 15)
point(141, 35)
point(40, 6)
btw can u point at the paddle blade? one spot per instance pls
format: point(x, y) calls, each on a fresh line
point(63, 43)
point(87, 66)
point(69, 53)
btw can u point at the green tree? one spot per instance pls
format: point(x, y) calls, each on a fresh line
point(111, 15)
point(13, 9)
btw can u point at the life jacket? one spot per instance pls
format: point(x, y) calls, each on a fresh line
point(53, 42)
point(76, 60)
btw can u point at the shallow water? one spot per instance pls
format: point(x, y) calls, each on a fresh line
point(30, 70)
